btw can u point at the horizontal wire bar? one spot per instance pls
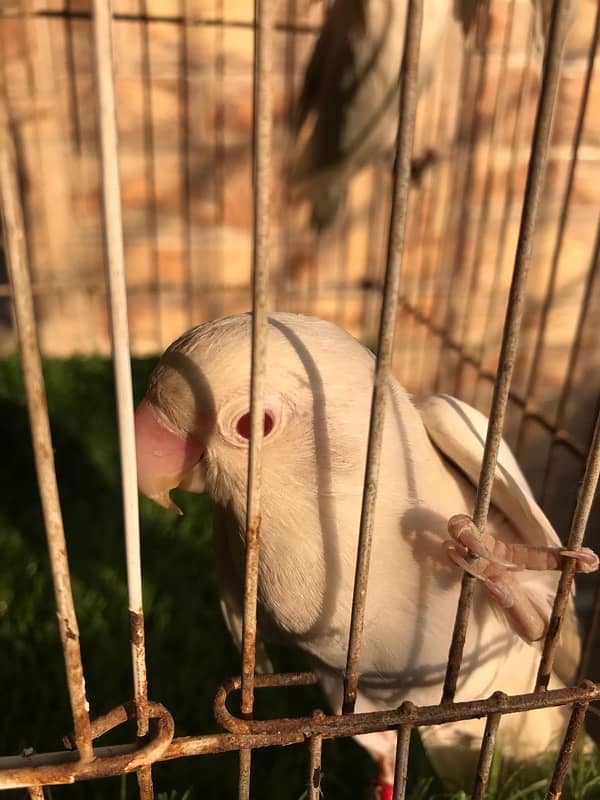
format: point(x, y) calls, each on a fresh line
point(385, 345)
point(352, 724)
point(111, 198)
point(14, 238)
point(56, 768)
point(193, 20)
point(59, 768)
point(514, 313)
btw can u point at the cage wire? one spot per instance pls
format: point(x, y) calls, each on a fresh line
point(160, 128)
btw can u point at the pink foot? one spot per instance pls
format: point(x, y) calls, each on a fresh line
point(379, 790)
point(496, 569)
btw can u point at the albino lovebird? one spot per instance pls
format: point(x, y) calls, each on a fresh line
point(192, 432)
point(346, 113)
point(350, 94)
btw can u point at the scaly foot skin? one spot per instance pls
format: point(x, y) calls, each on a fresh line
point(497, 566)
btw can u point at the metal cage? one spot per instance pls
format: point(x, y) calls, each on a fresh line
point(510, 195)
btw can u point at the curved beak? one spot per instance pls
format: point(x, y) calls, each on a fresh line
point(164, 457)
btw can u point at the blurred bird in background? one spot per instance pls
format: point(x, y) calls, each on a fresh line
point(346, 114)
point(192, 432)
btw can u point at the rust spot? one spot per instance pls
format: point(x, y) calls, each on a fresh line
point(136, 628)
point(69, 632)
point(316, 777)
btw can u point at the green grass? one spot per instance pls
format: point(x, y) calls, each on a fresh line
point(188, 648)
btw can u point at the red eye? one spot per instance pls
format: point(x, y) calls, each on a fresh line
point(243, 425)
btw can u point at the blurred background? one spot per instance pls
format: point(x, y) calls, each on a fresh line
point(183, 77)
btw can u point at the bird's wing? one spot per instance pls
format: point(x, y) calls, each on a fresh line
point(230, 589)
point(459, 431)
point(344, 19)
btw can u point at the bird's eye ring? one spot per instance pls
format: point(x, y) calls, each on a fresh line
point(242, 426)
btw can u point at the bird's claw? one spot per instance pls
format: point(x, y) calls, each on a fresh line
point(587, 560)
point(497, 575)
point(457, 554)
point(463, 530)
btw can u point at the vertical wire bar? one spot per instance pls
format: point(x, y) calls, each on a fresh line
point(461, 210)
point(374, 241)
point(401, 186)
point(315, 745)
point(590, 293)
point(431, 178)
point(590, 637)
point(342, 247)
point(509, 196)
point(514, 312)
point(289, 74)
point(262, 128)
point(401, 768)
point(14, 246)
point(578, 526)
point(36, 793)
point(184, 147)
point(120, 344)
point(566, 751)
point(71, 70)
point(540, 340)
point(150, 165)
point(421, 179)
point(461, 161)
point(480, 237)
point(220, 154)
point(486, 754)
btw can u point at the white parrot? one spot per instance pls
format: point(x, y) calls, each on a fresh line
point(192, 431)
point(348, 103)
point(350, 95)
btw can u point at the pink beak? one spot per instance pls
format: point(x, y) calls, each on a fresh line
point(164, 457)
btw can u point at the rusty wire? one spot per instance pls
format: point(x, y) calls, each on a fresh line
point(400, 191)
point(245, 734)
point(402, 753)
point(589, 292)
point(263, 102)
point(514, 313)
point(58, 768)
point(578, 526)
point(486, 753)
point(21, 771)
point(566, 751)
point(315, 751)
point(14, 237)
point(540, 339)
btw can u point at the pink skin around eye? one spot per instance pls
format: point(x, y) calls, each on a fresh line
point(243, 425)
point(163, 456)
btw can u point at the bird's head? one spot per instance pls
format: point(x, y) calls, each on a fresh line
point(193, 426)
